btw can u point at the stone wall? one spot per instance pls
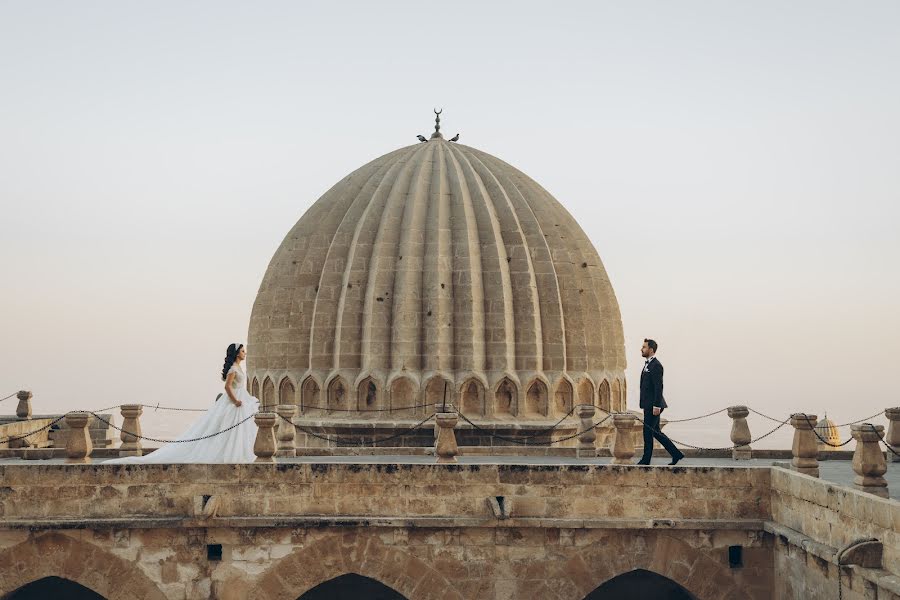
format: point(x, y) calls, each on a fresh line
point(21, 427)
point(812, 519)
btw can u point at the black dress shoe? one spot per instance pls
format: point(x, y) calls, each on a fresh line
point(641, 462)
point(676, 458)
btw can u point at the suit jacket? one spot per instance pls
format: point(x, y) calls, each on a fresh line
point(652, 385)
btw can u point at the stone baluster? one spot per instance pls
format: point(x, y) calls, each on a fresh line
point(264, 446)
point(868, 459)
point(286, 430)
point(587, 435)
point(893, 432)
point(445, 447)
point(23, 410)
point(804, 450)
point(740, 432)
point(78, 444)
point(131, 430)
point(623, 445)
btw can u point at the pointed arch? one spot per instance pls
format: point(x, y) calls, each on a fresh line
point(404, 395)
point(338, 395)
point(618, 403)
point(437, 390)
point(390, 565)
point(286, 392)
point(88, 565)
point(506, 398)
point(369, 397)
point(563, 398)
point(536, 399)
point(604, 396)
point(471, 398)
point(585, 391)
point(254, 388)
point(268, 394)
point(53, 587)
point(310, 397)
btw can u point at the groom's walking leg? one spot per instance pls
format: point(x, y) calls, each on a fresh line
point(649, 426)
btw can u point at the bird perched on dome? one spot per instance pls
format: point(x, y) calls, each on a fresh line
point(422, 138)
point(455, 138)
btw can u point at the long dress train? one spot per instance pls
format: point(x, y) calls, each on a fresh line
point(232, 446)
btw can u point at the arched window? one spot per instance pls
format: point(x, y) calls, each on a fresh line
point(437, 391)
point(618, 402)
point(254, 388)
point(536, 399)
point(562, 399)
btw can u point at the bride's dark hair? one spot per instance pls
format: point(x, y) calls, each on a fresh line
point(230, 356)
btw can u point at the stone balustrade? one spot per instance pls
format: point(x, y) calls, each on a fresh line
point(445, 447)
point(587, 434)
point(78, 444)
point(23, 410)
point(131, 430)
point(804, 449)
point(740, 432)
point(623, 444)
point(868, 459)
point(264, 447)
point(286, 430)
point(893, 432)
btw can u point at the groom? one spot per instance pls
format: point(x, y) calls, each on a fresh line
point(653, 403)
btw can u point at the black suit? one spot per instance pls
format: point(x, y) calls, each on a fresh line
point(652, 396)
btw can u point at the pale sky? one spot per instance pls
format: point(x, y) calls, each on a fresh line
point(736, 165)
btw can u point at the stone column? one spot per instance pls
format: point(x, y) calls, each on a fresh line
point(445, 447)
point(804, 449)
point(78, 445)
point(868, 459)
point(893, 433)
point(587, 435)
point(286, 430)
point(131, 430)
point(23, 410)
point(623, 445)
point(264, 446)
point(740, 432)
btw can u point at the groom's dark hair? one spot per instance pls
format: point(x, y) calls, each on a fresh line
point(652, 344)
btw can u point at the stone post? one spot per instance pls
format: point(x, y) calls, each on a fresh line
point(264, 446)
point(78, 445)
point(588, 434)
point(445, 447)
point(804, 449)
point(868, 459)
point(893, 433)
point(23, 410)
point(286, 430)
point(740, 432)
point(623, 445)
point(131, 430)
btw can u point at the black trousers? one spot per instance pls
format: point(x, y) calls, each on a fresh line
point(651, 430)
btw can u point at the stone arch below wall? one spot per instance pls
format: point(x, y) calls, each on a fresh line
point(363, 554)
point(617, 403)
point(369, 397)
point(58, 555)
point(585, 391)
point(254, 388)
point(404, 396)
point(506, 398)
point(352, 587)
point(338, 395)
point(640, 583)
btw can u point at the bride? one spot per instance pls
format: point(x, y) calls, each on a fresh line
point(231, 414)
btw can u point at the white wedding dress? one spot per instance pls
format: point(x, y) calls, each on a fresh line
point(232, 446)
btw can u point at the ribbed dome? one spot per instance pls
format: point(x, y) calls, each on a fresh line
point(828, 431)
point(438, 260)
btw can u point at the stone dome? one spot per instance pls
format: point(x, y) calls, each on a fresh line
point(828, 431)
point(435, 271)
